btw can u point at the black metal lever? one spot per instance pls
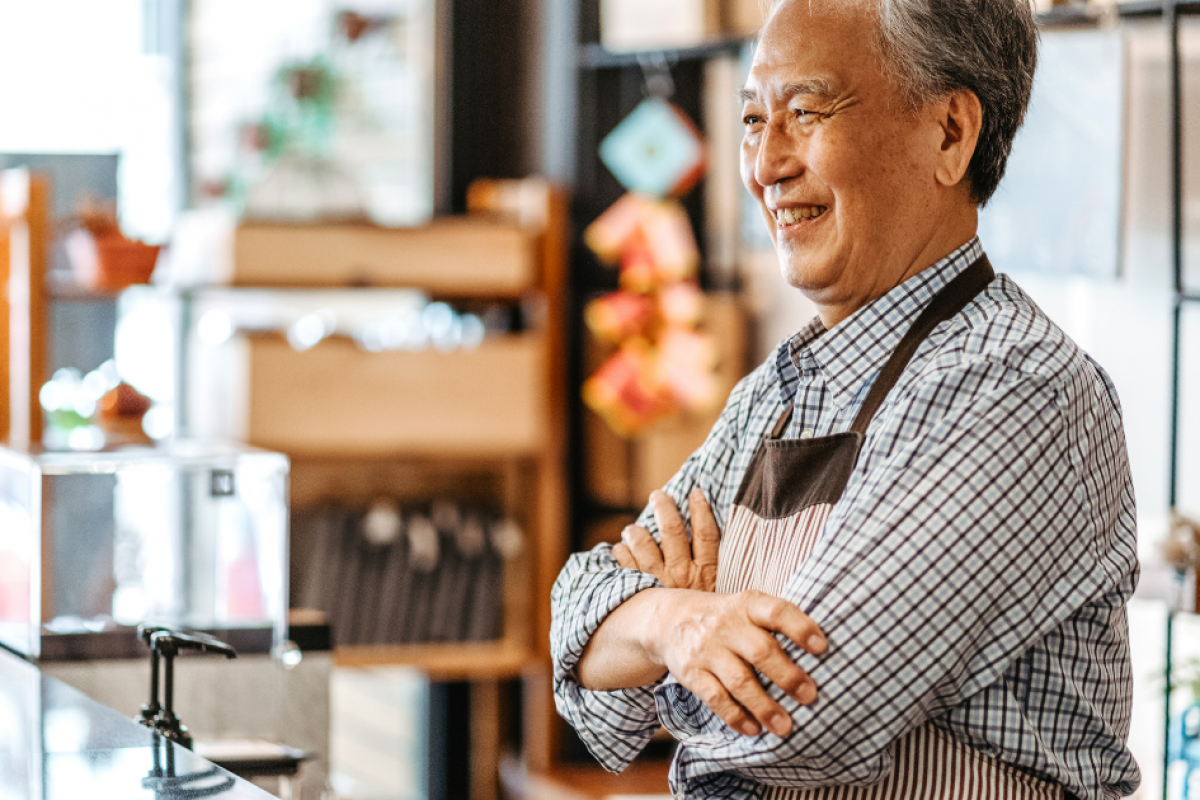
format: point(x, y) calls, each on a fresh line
point(165, 644)
point(152, 709)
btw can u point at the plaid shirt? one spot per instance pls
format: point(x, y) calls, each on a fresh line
point(975, 571)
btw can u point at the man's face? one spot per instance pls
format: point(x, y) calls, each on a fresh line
point(843, 172)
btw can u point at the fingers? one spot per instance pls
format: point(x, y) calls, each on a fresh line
point(740, 700)
point(706, 538)
point(624, 557)
point(644, 550)
point(776, 614)
point(762, 651)
point(676, 550)
point(743, 686)
point(709, 689)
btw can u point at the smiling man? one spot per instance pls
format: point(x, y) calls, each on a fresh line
point(913, 527)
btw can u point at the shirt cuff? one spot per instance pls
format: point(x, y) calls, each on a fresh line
point(616, 725)
point(685, 717)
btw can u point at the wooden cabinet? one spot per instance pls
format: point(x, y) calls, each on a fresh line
point(455, 256)
point(337, 399)
point(483, 422)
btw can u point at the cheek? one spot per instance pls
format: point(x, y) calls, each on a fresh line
point(861, 170)
point(900, 160)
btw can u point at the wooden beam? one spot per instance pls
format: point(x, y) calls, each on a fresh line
point(24, 238)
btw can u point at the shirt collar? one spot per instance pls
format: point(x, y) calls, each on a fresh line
point(857, 348)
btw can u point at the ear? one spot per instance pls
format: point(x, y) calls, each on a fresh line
point(960, 118)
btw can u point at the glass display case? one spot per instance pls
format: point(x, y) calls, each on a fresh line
point(184, 533)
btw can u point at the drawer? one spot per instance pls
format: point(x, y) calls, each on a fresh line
point(458, 256)
point(336, 399)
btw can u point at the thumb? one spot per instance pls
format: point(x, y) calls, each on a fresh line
point(706, 536)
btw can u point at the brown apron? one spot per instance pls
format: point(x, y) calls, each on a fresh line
point(778, 515)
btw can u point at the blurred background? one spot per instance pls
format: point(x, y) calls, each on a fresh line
point(484, 273)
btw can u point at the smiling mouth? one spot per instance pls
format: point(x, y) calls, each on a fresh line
point(790, 216)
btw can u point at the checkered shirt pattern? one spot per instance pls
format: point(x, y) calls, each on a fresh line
point(974, 573)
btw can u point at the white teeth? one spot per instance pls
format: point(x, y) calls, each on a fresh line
point(790, 216)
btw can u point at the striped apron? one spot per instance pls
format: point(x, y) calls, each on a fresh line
point(778, 515)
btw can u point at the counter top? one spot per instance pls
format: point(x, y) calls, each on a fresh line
point(58, 744)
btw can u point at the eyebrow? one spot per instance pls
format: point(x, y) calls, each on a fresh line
point(813, 86)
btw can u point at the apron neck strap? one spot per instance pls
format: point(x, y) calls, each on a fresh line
point(953, 297)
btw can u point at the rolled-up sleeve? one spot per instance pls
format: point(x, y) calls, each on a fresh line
point(616, 725)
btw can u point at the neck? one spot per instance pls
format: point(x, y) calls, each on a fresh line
point(955, 230)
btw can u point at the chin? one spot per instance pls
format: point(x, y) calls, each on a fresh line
point(796, 272)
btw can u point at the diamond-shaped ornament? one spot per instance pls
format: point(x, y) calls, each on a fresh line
point(656, 150)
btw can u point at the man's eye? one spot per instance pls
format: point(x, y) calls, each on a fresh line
point(805, 116)
point(750, 120)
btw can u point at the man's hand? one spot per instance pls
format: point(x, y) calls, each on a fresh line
point(678, 563)
point(711, 644)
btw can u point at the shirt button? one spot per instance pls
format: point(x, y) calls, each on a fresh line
point(807, 433)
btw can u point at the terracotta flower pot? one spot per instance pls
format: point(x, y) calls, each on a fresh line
point(121, 262)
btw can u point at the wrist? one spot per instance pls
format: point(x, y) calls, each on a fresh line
point(623, 652)
point(655, 618)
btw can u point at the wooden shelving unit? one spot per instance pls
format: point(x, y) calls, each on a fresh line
point(482, 424)
point(24, 255)
point(422, 424)
point(466, 661)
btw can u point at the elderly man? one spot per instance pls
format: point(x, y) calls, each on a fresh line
point(912, 528)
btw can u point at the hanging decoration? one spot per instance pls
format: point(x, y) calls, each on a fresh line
point(655, 150)
point(662, 363)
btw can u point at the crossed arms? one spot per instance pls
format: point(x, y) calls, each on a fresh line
point(710, 642)
point(942, 565)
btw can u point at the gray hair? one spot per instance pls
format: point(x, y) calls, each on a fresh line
point(934, 47)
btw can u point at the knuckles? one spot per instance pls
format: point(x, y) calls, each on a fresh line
point(740, 683)
point(639, 536)
point(709, 697)
point(791, 681)
point(759, 652)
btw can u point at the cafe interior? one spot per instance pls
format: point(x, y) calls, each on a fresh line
point(331, 328)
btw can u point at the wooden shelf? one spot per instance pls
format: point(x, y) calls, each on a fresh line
point(590, 782)
point(594, 56)
point(337, 400)
point(466, 256)
point(442, 662)
point(1156, 8)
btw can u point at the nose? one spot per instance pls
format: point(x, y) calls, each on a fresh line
point(780, 155)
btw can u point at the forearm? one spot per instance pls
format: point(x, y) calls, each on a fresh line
point(615, 726)
point(619, 655)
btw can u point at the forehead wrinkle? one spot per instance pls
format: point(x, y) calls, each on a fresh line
point(817, 87)
point(747, 95)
